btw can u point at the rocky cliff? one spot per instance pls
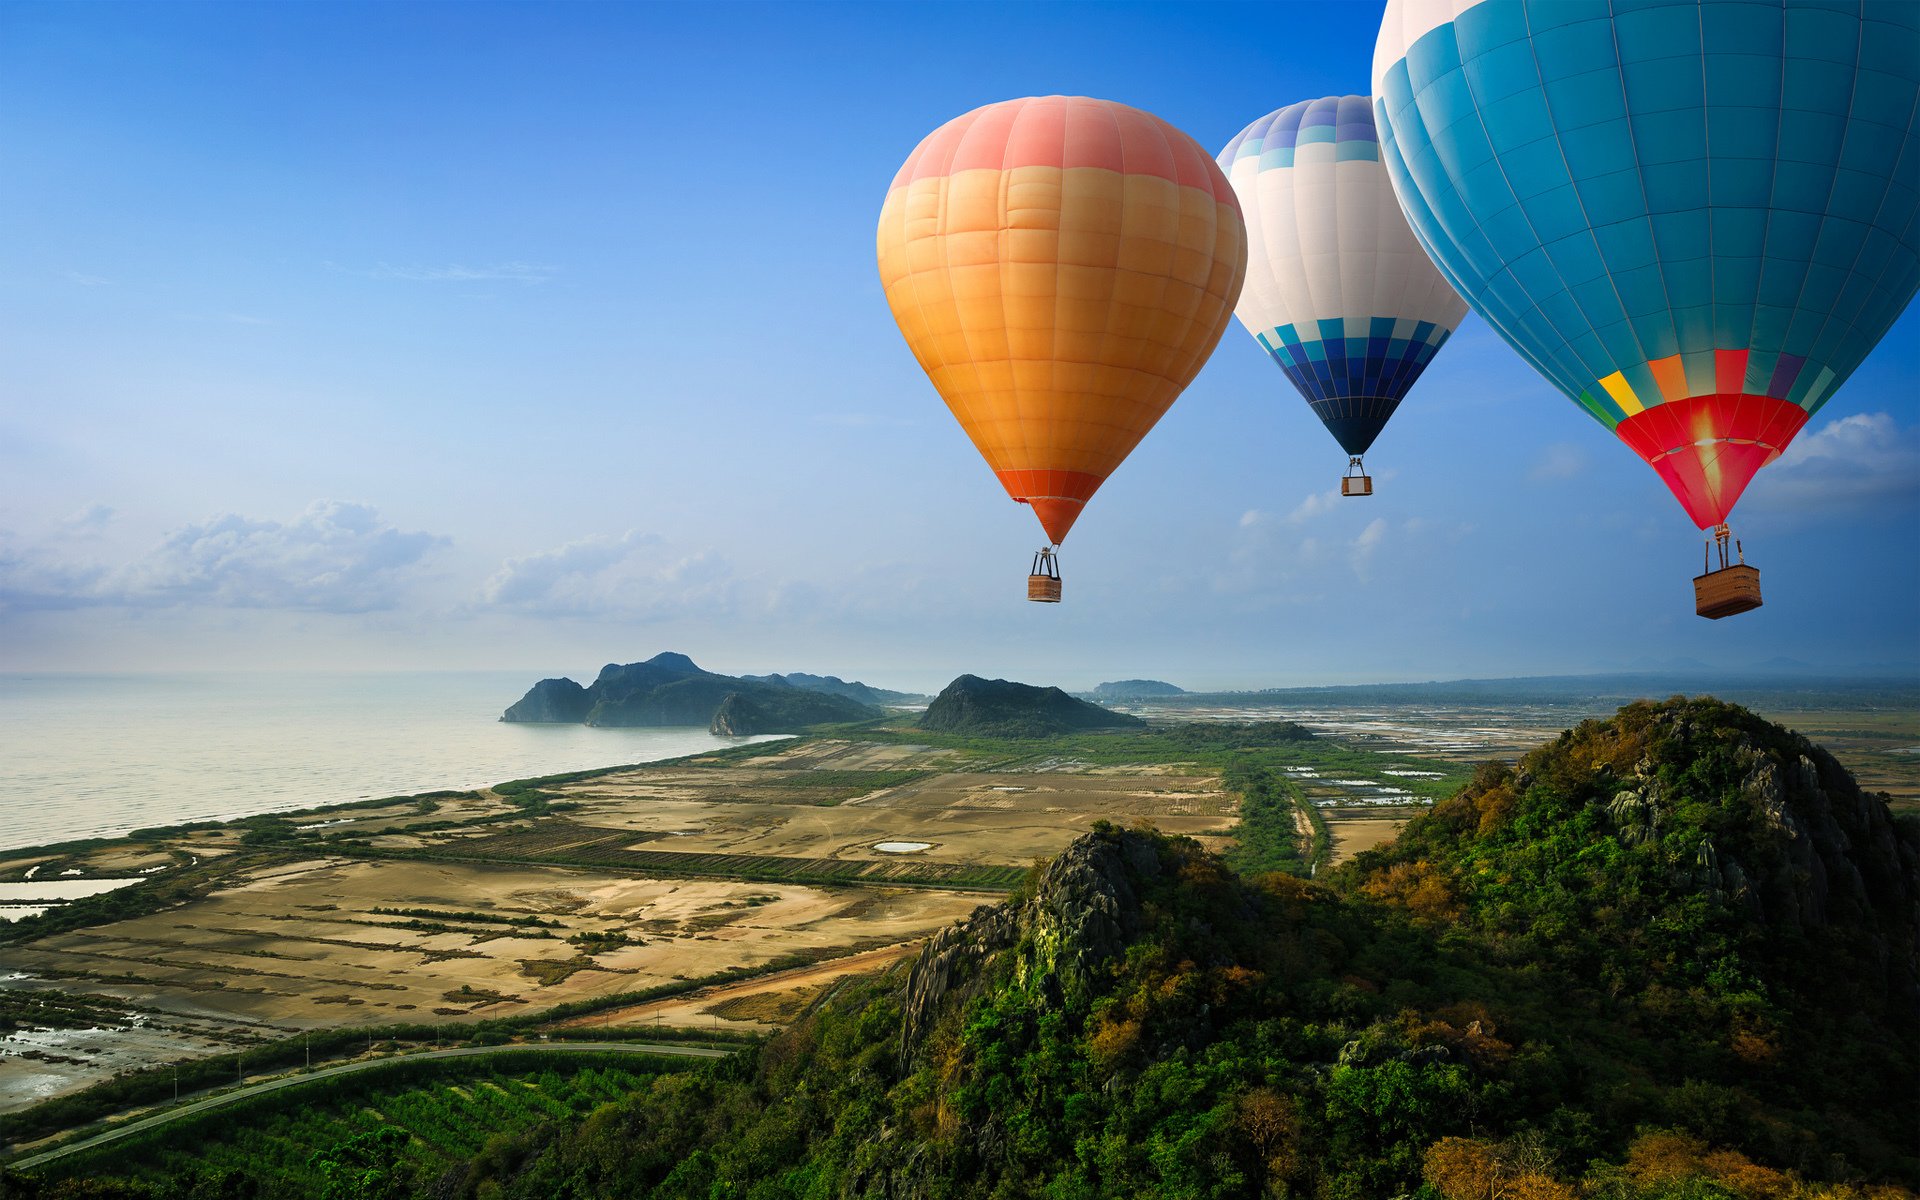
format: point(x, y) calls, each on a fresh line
point(670, 689)
point(999, 708)
point(1083, 911)
point(552, 701)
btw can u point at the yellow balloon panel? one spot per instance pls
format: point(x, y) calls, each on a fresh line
point(1061, 268)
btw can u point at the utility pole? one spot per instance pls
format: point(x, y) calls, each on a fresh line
point(176, 1083)
point(309, 1045)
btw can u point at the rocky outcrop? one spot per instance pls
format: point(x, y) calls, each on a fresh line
point(670, 689)
point(737, 716)
point(552, 701)
point(999, 708)
point(1083, 910)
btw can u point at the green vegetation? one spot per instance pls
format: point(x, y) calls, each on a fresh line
point(1669, 957)
point(310, 1141)
point(1267, 837)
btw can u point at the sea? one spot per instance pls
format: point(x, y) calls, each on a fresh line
point(100, 755)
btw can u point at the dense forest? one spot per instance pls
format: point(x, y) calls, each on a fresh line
point(1670, 956)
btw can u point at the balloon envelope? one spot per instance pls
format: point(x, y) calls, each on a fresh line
point(1061, 267)
point(1338, 291)
point(1696, 219)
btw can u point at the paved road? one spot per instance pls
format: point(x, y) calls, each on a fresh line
point(274, 1085)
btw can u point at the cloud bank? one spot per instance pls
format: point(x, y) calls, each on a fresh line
point(334, 557)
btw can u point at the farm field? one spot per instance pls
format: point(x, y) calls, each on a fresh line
point(725, 890)
point(506, 902)
point(442, 1111)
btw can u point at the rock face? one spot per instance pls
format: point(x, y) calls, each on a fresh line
point(998, 708)
point(669, 689)
point(552, 701)
point(1751, 830)
point(1136, 689)
point(1084, 910)
point(1813, 850)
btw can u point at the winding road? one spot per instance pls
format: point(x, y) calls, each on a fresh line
point(274, 1085)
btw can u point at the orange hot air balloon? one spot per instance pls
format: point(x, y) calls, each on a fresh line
point(1061, 267)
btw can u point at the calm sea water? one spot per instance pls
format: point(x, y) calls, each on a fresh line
point(98, 755)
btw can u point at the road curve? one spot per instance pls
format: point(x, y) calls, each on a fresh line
point(274, 1085)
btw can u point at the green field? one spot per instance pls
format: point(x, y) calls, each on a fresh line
point(446, 1111)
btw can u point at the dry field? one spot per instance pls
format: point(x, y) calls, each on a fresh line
point(490, 911)
point(1007, 817)
point(1360, 830)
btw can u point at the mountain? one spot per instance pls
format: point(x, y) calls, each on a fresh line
point(833, 685)
point(997, 708)
point(1669, 955)
point(669, 689)
point(1136, 689)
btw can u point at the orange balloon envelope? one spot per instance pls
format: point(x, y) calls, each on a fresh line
point(1061, 267)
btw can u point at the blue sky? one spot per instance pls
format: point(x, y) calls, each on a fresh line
point(541, 336)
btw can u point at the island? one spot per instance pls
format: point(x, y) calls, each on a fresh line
point(1137, 689)
point(669, 689)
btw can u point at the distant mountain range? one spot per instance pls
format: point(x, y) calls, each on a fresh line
point(669, 689)
point(1773, 688)
point(833, 685)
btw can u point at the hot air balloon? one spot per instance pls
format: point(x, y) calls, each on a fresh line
point(1338, 291)
point(1061, 267)
point(1695, 219)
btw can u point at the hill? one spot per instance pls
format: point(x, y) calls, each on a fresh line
point(833, 685)
point(1136, 689)
point(1670, 955)
point(669, 689)
point(998, 708)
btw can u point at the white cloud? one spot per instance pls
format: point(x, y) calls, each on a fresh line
point(92, 517)
point(634, 575)
point(1561, 460)
point(333, 557)
point(1365, 545)
point(84, 279)
point(1861, 461)
point(1317, 505)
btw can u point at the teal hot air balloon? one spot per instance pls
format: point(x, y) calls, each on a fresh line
point(1338, 291)
point(1695, 219)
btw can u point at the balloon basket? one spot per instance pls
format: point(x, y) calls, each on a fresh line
point(1356, 482)
point(1730, 589)
point(1726, 592)
point(1043, 584)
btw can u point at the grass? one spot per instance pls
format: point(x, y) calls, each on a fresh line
point(449, 1108)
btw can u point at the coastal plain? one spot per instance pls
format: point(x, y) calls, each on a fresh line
point(725, 890)
point(761, 863)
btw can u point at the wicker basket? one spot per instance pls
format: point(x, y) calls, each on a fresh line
point(1044, 589)
point(1727, 591)
point(1356, 485)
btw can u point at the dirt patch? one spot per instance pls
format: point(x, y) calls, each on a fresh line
point(1351, 835)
